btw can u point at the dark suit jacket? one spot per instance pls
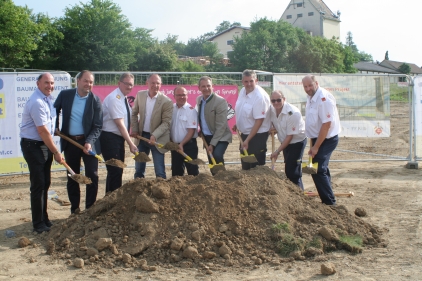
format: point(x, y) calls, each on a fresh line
point(92, 121)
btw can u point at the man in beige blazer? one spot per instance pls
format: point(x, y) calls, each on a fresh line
point(154, 110)
point(212, 116)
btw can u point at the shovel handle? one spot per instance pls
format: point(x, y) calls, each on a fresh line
point(80, 146)
point(159, 145)
point(184, 155)
point(241, 143)
point(208, 152)
point(68, 168)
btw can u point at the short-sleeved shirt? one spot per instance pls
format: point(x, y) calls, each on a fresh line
point(250, 107)
point(289, 122)
point(38, 111)
point(184, 118)
point(320, 109)
point(114, 107)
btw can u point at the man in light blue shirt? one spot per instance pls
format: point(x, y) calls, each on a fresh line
point(38, 148)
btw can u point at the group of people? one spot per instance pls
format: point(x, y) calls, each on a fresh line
point(104, 128)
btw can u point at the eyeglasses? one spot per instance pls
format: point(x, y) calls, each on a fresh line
point(277, 100)
point(181, 96)
point(127, 84)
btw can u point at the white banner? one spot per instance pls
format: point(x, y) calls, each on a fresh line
point(363, 102)
point(417, 102)
point(15, 90)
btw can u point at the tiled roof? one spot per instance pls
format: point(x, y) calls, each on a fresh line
point(414, 69)
point(227, 30)
point(373, 67)
point(322, 7)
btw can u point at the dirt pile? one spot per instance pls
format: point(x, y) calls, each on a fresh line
point(236, 218)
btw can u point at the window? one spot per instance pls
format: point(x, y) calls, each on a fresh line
point(299, 15)
point(299, 5)
point(229, 42)
point(310, 14)
point(289, 16)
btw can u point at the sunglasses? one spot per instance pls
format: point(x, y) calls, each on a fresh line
point(277, 100)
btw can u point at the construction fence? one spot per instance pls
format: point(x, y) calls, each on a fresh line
point(377, 113)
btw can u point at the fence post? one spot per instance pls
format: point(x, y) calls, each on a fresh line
point(412, 164)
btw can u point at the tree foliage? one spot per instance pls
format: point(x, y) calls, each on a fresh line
point(404, 68)
point(97, 37)
point(18, 35)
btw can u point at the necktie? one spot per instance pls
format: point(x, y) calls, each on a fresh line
point(128, 114)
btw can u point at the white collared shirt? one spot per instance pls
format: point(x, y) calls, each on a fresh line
point(114, 107)
point(250, 107)
point(288, 122)
point(184, 118)
point(149, 107)
point(320, 109)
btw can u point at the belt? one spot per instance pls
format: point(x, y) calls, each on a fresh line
point(78, 137)
point(37, 141)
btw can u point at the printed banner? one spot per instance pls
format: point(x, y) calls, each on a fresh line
point(15, 90)
point(417, 104)
point(363, 102)
point(229, 92)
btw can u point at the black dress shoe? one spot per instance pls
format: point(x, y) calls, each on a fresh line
point(42, 229)
point(48, 223)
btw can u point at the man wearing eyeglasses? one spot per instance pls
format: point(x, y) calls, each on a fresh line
point(82, 120)
point(323, 127)
point(116, 125)
point(184, 131)
point(290, 127)
point(252, 118)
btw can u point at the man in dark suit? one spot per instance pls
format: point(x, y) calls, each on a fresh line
point(212, 113)
point(82, 120)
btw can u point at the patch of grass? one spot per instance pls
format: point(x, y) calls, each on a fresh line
point(353, 243)
point(398, 93)
point(315, 243)
point(281, 227)
point(289, 243)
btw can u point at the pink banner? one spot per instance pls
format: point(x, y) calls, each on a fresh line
point(229, 92)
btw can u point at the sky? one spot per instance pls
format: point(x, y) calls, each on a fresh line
point(377, 25)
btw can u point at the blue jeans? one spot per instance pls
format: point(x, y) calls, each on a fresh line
point(157, 158)
point(322, 178)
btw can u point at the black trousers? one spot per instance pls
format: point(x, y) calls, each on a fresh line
point(258, 147)
point(113, 146)
point(293, 162)
point(73, 156)
point(39, 159)
point(178, 163)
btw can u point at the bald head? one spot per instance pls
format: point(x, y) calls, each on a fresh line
point(310, 85)
point(45, 83)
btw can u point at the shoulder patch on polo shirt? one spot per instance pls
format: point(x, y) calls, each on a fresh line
point(118, 96)
point(263, 112)
point(194, 123)
point(328, 115)
point(290, 113)
point(294, 129)
point(323, 99)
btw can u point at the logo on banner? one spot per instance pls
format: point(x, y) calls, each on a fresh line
point(230, 112)
point(378, 129)
point(2, 106)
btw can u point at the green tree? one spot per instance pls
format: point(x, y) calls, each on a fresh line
point(386, 56)
point(265, 47)
point(226, 25)
point(50, 38)
point(18, 35)
point(404, 68)
point(97, 37)
point(171, 41)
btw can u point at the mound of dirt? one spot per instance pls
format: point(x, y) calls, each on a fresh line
point(236, 218)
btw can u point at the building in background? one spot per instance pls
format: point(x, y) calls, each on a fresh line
point(314, 17)
point(226, 38)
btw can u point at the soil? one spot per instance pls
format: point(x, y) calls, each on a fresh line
point(81, 179)
point(116, 163)
point(141, 157)
point(227, 227)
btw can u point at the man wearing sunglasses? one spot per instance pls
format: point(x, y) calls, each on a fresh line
point(323, 127)
point(288, 122)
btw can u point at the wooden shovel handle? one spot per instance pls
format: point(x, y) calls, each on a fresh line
point(147, 140)
point(71, 141)
point(68, 168)
point(245, 152)
point(206, 147)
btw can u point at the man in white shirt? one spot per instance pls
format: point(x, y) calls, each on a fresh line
point(116, 126)
point(322, 127)
point(288, 122)
point(252, 118)
point(184, 131)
